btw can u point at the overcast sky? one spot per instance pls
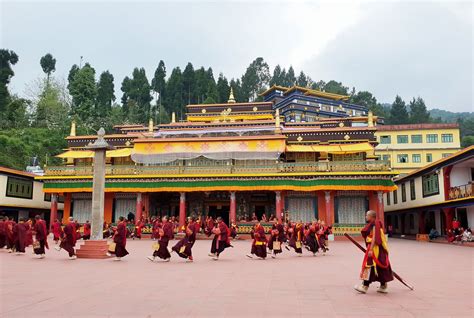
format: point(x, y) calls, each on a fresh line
point(394, 47)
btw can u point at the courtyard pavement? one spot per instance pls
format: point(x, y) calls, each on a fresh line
point(235, 286)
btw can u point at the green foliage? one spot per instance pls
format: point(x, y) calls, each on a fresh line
point(158, 83)
point(336, 88)
point(83, 90)
point(173, 99)
point(188, 84)
point(303, 80)
point(418, 112)
point(277, 76)
point(136, 93)
point(15, 114)
point(48, 64)
point(398, 112)
point(105, 94)
point(51, 110)
point(7, 59)
point(255, 80)
point(223, 89)
point(467, 141)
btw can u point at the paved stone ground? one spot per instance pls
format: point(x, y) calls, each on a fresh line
point(236, 286)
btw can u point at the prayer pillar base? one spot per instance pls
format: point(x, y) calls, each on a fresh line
point(93, 249)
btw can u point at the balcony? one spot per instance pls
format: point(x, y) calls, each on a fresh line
point(275, 168)
point(462, 191)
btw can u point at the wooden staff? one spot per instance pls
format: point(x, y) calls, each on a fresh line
point(364, 250)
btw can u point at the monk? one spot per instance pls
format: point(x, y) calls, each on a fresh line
point(87, 231)
point(312, 238)
point(259, 243)
point(233, 230)
point(3, 236)
point(166, 234)
point(376, 264)
point(138, 230)
point(184, 246)
point(155, 229)
point(120, 240)
point(221, 239)
point(19, 236)
point(69, 239)
point(9, 234)
point(297, 236)
point(29, 233)
point(209, 225)
point(56, 228)
point(41, 236)
point(277, 238)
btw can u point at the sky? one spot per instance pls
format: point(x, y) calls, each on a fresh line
point(412, 49)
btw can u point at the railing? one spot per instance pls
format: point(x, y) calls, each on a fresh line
point(281, 167)
point(462, 191)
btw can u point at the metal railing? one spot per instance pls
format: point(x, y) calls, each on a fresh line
point(280, 167)
point(462, 191)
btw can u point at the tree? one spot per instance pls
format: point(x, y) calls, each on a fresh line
point(211, 85)
point(276, 78)
point(15, 113)
point(52, 108)
point(256, 79)
point(174, 92)
point(7, 59)
point(336, 88)
point(237, 88)
point(318, 85)
point(83, 90)
point(48, 64)
point(467, 141)
point(201, 86)
point(364, 98)
point(303, 80)
point(72, 72)
point(290, 78)
point(158, 82)
point(398, 112)
point(418, 112)
point(223, 89)
point(188, 84)
point(137, 89)
point(105, 94)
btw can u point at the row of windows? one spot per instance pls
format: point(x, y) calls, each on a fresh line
point(415, 158)
point(19, 188)
point(430, 185)
point(417, 139)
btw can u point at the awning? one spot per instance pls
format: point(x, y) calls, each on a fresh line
point(163, 151)
point(334, 149)
point(80, 154)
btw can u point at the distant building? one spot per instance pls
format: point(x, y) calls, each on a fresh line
point(22, 196)
point(410, 147)
point(432, 196)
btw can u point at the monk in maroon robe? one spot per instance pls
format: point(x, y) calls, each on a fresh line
point(3, 233)
point(19, 236)
point(138, 230)
point(9, 234)
point(277, 238)
point(87, 231)
point(69, 239)
point(209, 226)
point(156, 227)
point(376, 264)
point(312, 238)
point(56, 229)
point(184, 246)
point(221, 239)
point(166, 234)
point(120, 239)
point(297, 237)
point(259, 243)
point(41, 235)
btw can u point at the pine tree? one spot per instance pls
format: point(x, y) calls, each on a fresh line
point(290, 77)
point(398, 112)
point(7, 59)
point(255, 80)
point(105, 94)
point(223, 89)
point(276, 78)
point(188, 84)
point(418, 112)
point(48, 64)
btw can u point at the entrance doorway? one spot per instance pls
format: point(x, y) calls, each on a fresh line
point(259, 211)
point(219, 211)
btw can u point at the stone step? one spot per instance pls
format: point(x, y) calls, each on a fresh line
point(93, 250)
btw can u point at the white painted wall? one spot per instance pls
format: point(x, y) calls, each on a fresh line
point(460, 176)
point(470, 216)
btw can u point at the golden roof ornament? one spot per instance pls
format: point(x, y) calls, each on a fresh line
point(277, 118)
point(173, 117)
point(150, 125)
point(231, 96)
point(370, 119)
point(73, 129)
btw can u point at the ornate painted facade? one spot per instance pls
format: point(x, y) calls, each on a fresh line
point(235, 159)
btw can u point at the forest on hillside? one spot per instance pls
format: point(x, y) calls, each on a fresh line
point(35, 124)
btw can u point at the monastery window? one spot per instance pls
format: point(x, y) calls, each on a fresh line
point(432, 138)
point(402, 158)
point(386, 157)
point(388, 198)
point(446, 137)
point(416, 158)
point(429, 157)
point(412, 190)
point(19, 188)
point(385, 139)
point(416, 139)
point(395, 197)
point(444, 155)
point(404, 192)
point(430, 184)
point(402, 139)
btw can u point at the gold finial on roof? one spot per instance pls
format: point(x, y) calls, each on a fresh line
point(173, 117)
point(370, 119)
point(150, 125)
point(73, 129)
point(277, 118)
point(231, 96)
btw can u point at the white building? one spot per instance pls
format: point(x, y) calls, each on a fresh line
point(432, 196)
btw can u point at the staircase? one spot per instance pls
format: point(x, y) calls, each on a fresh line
point(93, 249)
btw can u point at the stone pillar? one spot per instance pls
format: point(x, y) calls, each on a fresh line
point(67, 207)
point(380, 208)
point(233, 208)
point(54, 210)
point(182, 209)
point(327, 200)
point(278, 205)
point(138, 208)
point(98, 194)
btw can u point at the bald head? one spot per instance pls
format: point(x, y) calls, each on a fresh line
point(371, 215)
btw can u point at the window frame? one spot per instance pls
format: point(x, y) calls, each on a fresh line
point(416, 142)
point(426, 181)
point(430, 156)
point(13, 186)
point(435, 136)
point(413, 158)
point(404, 192)
point(451, 138)
point(388, 137)
point(400, 140)
point(412, 190)
point(400, 155)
